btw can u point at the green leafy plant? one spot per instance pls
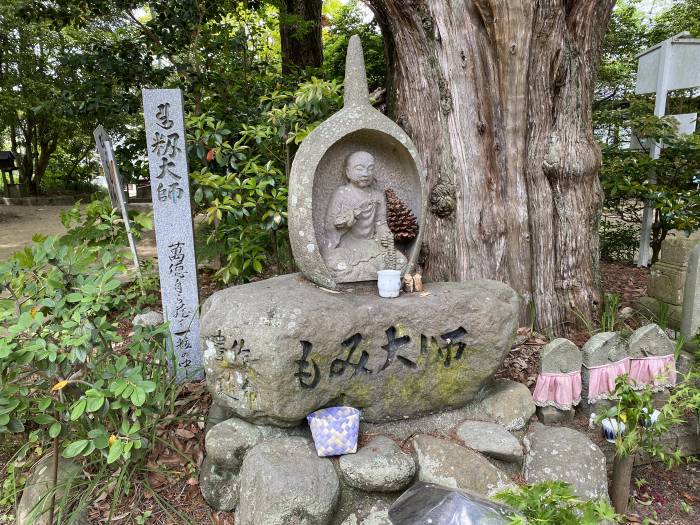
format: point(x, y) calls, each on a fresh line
point(241, 180)
point(608, 318)
point(630, 178)
point(66, 377)
point(554, 503)
point(143, 518)
point(634, 408)
point(97, 223)
point(619, 241)
point(11, 485)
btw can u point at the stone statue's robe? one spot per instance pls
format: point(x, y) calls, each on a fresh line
point(355, 219)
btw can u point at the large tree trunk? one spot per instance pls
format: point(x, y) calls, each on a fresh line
point(497, 95)
point(300, 34)
point(39, 143)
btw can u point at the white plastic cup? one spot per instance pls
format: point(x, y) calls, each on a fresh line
point(389, 283)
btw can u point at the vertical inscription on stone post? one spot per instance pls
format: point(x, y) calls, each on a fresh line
point(172, 214)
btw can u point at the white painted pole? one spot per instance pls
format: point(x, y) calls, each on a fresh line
point(655, 149)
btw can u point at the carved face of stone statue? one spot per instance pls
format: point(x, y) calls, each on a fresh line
point(359, 169)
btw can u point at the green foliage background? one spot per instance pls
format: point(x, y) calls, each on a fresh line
point(619, 113)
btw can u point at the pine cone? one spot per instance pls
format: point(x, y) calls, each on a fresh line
point(400, 218)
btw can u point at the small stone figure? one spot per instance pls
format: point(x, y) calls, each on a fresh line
point(358, 236)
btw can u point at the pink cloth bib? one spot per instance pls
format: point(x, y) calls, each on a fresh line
point(562, 391)
point(659, 371)
point(601, 384)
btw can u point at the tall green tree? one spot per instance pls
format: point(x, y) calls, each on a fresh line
point(344, 21)
point(300, 34)
point(29, 88)
point(60, 74)
point(621, 117)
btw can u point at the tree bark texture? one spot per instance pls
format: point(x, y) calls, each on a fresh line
point(39, 143)
point(497, 96)
point(300, 34)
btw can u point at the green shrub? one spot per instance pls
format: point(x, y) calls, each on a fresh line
point(634, 406)
point(618, 241)
point(554, 503)
point(629, 178)
point(240, 177)
point(99, 224)
point(66, 376)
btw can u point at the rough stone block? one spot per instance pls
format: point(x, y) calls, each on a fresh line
point(602, 349)
point(563, 454)
point(379, 466)
point(33, 507)
point(676, 249)
point(690, 323)
point(283, 481)
point(506, 402)
point(228, 442)
point(278, 349)
point(219, 485)
point(148, 318)
point(667, 282)
point(560, 356)
point(358, 507)
point(451, 465)
point(377, 514)
point(552, 415)
point(491, 439)
point(650, 340)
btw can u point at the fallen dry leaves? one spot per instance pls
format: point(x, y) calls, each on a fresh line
point(522, 362)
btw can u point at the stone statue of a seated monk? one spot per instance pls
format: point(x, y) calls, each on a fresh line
point(356, 230)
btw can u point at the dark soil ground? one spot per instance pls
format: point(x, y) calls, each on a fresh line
point(170, 493)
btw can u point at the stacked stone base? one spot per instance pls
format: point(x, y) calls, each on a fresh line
point(269, 475)
point(272, 476)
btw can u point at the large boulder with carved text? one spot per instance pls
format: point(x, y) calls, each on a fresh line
point(278, 349)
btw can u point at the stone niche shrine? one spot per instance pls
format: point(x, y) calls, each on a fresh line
point(276, 350)
point(337, 209)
